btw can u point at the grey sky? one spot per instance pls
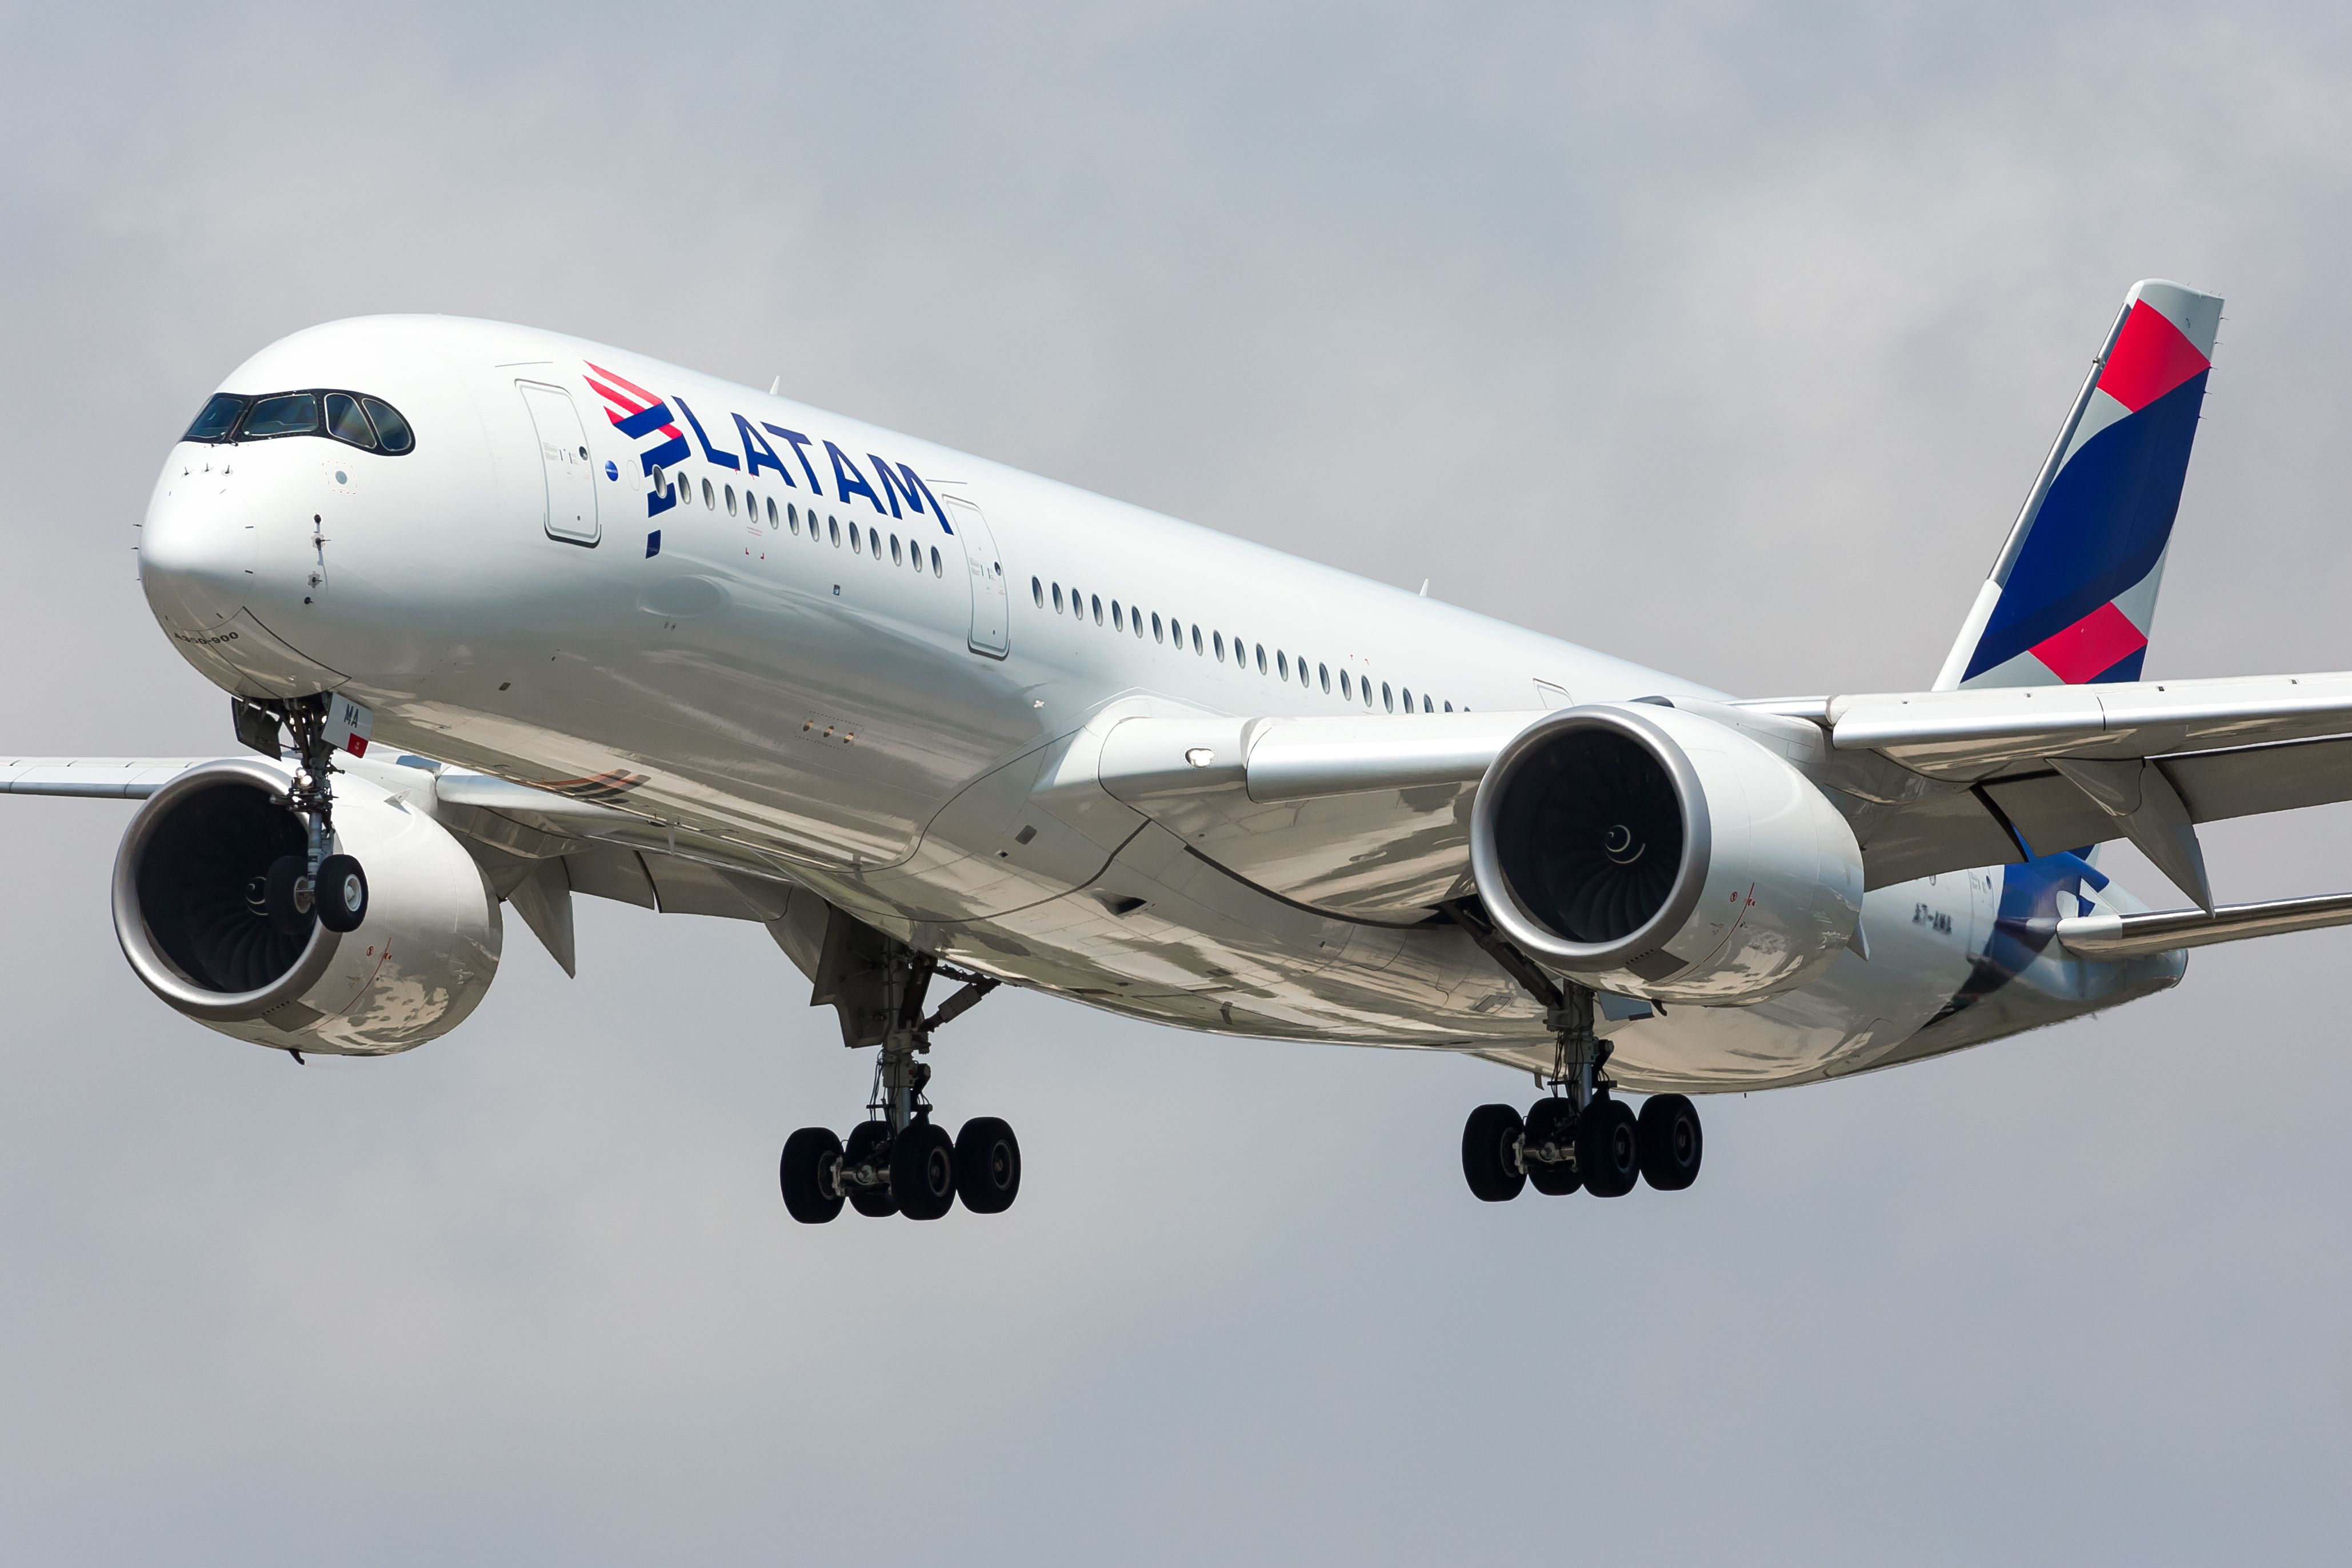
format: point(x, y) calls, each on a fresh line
point(1726, 337)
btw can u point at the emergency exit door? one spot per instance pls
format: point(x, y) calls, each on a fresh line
point(990, 601)
point(563, 458)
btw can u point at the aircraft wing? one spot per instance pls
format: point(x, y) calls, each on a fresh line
point(536, 846)
point(1369, 818)
point(91, 778)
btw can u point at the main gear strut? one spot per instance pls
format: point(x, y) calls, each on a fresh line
point(896, 1160)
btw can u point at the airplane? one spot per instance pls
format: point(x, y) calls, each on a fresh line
point(505, 616)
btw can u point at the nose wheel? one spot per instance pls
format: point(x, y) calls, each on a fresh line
point(320, 883)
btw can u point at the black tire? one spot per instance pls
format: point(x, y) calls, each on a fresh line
point(810, 1173)
point(923, 1171)
point(341, 893)
point(1490, 1162)
point(869, 1144)
point(1551, 1121)
point(987, 1165)
point(1608, 1148)
point(1672, 1142)
point(281, 898)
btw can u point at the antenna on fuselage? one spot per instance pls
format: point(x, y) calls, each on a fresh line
point(775, 386)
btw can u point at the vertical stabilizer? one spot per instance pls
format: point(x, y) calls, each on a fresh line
point(2073, 598)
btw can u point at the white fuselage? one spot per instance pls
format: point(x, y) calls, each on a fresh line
point(885, 706)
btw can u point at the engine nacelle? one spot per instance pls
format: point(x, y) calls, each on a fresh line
point(187, 912)
point(1640, 849)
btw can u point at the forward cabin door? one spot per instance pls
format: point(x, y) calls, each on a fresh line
point(991, 613)
point(563, 454)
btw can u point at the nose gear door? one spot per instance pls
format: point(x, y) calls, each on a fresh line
point(564, 454)
point(990, 615)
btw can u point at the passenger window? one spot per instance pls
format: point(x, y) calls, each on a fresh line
point(856, 541)
point(1097, 605)
point(1282, 664)
point(1388, 697)
point(1364, 689)
point(709, 497)
point(1135, 624)
point(1424, 703)
point(1218, 638)
point(1196, 637)
point(1302, 675)
point(1407, 698)
point(894, 553)
point(1159, 634)
point(1261, 658)
point(874, 546)
point(216, 418)
point(1057, 598)
point(1118, 621)
point(1449, 707)
point(1038, 591)
point(288, 413)
point(935, 561)
point(346, 423)
point(833, 530)
point(392, 431)
point(1345, 691)
point(731, 500)
point(1324, 671)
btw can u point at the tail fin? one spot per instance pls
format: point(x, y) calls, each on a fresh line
point(2072, 597)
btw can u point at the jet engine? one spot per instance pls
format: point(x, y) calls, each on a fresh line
point(189, 910)
point(1643, 850)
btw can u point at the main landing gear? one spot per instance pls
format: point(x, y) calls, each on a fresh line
point(316, 883)
point(897, 1161)
point(1581, 1134)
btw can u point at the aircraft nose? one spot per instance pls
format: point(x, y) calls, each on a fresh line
point(197, 551)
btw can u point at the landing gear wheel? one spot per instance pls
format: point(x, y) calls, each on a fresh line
point(987, 1165)
point(282, 898)
point(1553, 1122)
point(923, 1171)
point(811, 1175)
point(341, 893)
point(868, 1145)
point(1671, 1142)
point(1490, 1160)
point(1608, 1148)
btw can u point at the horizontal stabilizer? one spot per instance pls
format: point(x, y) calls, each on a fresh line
point(2133, 936)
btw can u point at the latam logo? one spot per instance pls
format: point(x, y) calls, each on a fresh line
point(640, 416)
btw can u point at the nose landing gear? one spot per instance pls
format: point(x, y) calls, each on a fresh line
point(897, 1161)
point(332, 887)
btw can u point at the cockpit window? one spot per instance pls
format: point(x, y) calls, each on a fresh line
point(354, 418)
point(218, 417)
point(390, 427)
point(283, 414)
point(346, 423)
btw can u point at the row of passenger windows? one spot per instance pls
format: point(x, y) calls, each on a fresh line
point(902, 553)
point(1206, 643)
point(354, 418)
